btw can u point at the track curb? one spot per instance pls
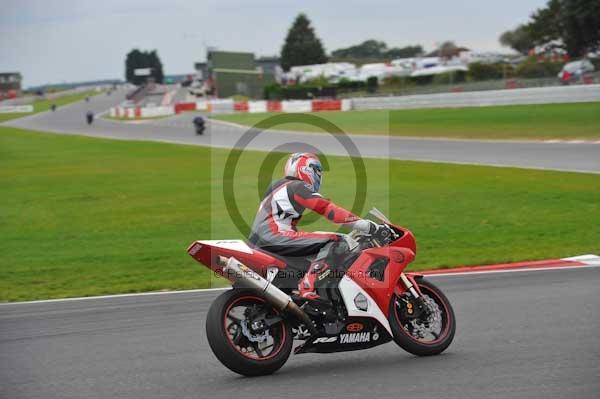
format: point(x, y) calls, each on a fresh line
point(583, 260)
point(537, 265)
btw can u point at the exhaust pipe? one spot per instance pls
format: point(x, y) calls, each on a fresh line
point(243, 276)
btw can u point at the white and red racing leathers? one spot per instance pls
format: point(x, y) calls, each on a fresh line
point(274, 227)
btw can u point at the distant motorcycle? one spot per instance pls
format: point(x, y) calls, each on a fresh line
point(251, 328)
point(89, 116)
point(199, 124)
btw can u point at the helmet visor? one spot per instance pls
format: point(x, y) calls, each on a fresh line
point(317, 176)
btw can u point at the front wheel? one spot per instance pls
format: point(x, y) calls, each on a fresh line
point(245, 334)
point(423, 333)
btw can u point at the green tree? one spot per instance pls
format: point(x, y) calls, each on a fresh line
point(143, 59)
point(367, 49)
point(518, 39)
point(573, 25)
point(404, 52)
point(545, 23)
point(156, 65)
point(372, 84)
point(302, 46)
point(375, 49)
point(580, 26)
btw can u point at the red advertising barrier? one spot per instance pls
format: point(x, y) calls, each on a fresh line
point(327, 105)
point(240, 106)
point(273, 106)
point(180, 107)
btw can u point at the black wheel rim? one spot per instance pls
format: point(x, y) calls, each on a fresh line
point(425, 330)
point(260, 344)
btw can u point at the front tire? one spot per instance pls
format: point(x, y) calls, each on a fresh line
point(423, 336)
point(239, 348)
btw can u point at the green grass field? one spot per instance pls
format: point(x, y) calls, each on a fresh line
point(83, 216)
point(44, 105)
point(547, 121)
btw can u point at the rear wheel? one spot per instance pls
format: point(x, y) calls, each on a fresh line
point(423, 333)
point(240, 333)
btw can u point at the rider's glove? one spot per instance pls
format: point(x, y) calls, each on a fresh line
point(365, 226)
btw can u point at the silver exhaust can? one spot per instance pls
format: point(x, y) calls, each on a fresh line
point(243, 276)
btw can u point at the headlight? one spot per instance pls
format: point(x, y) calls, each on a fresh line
point(361, 302)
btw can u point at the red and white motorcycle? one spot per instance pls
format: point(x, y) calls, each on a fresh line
point(251, 328)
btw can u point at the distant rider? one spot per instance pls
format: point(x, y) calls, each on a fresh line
point(199, 124)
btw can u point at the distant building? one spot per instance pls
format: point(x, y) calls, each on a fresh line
point(271, 66)
point(10, 83)
point(229, 73)
point(201, 70)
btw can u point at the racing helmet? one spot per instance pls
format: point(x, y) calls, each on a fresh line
point(306, 167)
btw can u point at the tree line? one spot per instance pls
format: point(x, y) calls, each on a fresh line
point(303, 47)
point(570, 25)
point(137, 59)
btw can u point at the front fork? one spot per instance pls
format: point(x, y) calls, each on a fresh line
point(410, 284)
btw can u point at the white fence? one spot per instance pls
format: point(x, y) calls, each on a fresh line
point(541, 95)
point(257, 106)
point(150, 112)
point(221, 106)
point(296, 106)
point(9, 109)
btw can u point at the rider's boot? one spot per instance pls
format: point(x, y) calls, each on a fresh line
point(317, 271)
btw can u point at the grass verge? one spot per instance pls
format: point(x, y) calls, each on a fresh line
point(44, 105)
point(84, 216)
point(545, 121)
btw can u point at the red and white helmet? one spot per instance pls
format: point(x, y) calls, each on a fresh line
point(306, 167)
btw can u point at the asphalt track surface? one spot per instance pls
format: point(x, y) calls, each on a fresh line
point(530, 334)
point(577, 157)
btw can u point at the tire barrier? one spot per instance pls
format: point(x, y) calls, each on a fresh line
point(141, 112)
point(227, 106)
point(180, 107)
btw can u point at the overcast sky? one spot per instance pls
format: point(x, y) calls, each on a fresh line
point(51, 41)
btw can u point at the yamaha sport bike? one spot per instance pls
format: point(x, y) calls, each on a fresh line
point(252, 327)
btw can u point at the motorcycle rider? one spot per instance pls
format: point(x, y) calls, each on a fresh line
point(199, 124)
point(283, 204)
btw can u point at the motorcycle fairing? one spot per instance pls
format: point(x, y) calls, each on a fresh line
point(379, 287)
point(350, 289)
point(371, 334)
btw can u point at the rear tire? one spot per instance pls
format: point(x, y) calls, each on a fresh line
point(238, 358)
point(401, 326)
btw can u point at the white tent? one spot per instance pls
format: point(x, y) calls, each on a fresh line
point(439, 69)
point(332, 71)
point(381, 71)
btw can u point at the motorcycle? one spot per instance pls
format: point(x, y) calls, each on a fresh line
point(252, 327)
point(199, 125)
